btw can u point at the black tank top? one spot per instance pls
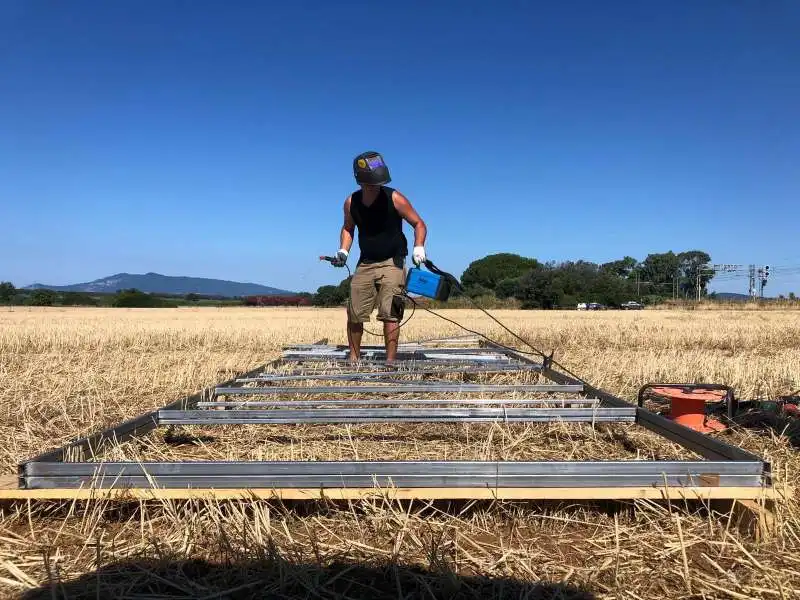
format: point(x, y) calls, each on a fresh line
point(380, 228)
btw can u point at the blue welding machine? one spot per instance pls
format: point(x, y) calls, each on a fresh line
point(430, 285)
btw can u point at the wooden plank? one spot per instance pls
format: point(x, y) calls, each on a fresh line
point(598, 493)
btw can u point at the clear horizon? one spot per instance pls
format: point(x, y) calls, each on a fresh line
point(217, 142)
point(711, 288)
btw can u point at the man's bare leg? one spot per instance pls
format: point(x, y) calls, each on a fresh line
point(354, 333)
point(391, 336)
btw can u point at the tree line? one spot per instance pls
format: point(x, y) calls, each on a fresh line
point(496, 277)
point(534, 284)
point(126, 298)
point(134, 298)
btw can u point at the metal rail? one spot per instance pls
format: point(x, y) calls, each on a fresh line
point(434, 387)
point(403, 474)
point(417, 349)
point(409, 402)
point(401, 360)
point(401, 368)
point(397, 415)
point(388, 375)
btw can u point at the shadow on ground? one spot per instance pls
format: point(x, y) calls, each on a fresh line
point(281, 579)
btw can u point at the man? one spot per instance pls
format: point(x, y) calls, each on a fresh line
point(378, 213)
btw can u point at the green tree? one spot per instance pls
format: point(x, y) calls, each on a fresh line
point(577, 279)
point(476, 291)
point(690, 265)
point(540, 288)
point(329, 295)
point(621, 268)
point(659, 270)
point(43, 297)
point(192, 297)
point(133, 298)
point(612, 290)
point(506, 288)
point(490, 270)
point(344, 287)
point(7, 291)
point(792, 296)
point(77, 299)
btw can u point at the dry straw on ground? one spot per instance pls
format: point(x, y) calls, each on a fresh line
point(67, 372)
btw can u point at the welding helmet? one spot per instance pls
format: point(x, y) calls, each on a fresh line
point(370, 169)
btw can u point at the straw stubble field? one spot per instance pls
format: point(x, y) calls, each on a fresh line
point(68, 372)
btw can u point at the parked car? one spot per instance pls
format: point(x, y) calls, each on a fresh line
point(631, 305)
point(582, 306)
point(595, 306)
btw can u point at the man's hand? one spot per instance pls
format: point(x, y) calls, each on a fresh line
point(419, 255)
point(341, 258)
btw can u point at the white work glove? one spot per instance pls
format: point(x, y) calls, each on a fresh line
point(419, 255)
point(340, 258)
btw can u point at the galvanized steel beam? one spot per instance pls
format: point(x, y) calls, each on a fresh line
point(427, 357)
point(403, 402)
point(396, 415)
point(389, 375)
point(417, 387)
point(401, 474)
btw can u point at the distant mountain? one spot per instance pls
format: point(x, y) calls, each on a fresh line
point(166, 284)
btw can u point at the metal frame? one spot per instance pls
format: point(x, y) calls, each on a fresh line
point(722, 466)
point(397, 415)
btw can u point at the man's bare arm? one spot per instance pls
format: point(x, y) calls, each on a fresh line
point(348, 228)
point(404, 208)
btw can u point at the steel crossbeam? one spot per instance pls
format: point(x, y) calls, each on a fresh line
point(411, 367)
point(447, 388)
point(388, 375)
point(343, 349)
point(725, 470)
point(396, 415)
point(403, 474)
point(428, 357)
point(403, 402)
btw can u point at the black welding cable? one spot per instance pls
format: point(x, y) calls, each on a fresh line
point(478, 333)
point(433, 268)
point(536, 350)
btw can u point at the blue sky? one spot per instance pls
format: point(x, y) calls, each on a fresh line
point(216, 139)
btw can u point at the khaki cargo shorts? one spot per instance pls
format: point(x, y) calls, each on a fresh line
point(377, 284)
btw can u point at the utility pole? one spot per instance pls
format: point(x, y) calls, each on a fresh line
point(763, 274)
point(752, 287)
point(698, 284)
point(760, 277)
